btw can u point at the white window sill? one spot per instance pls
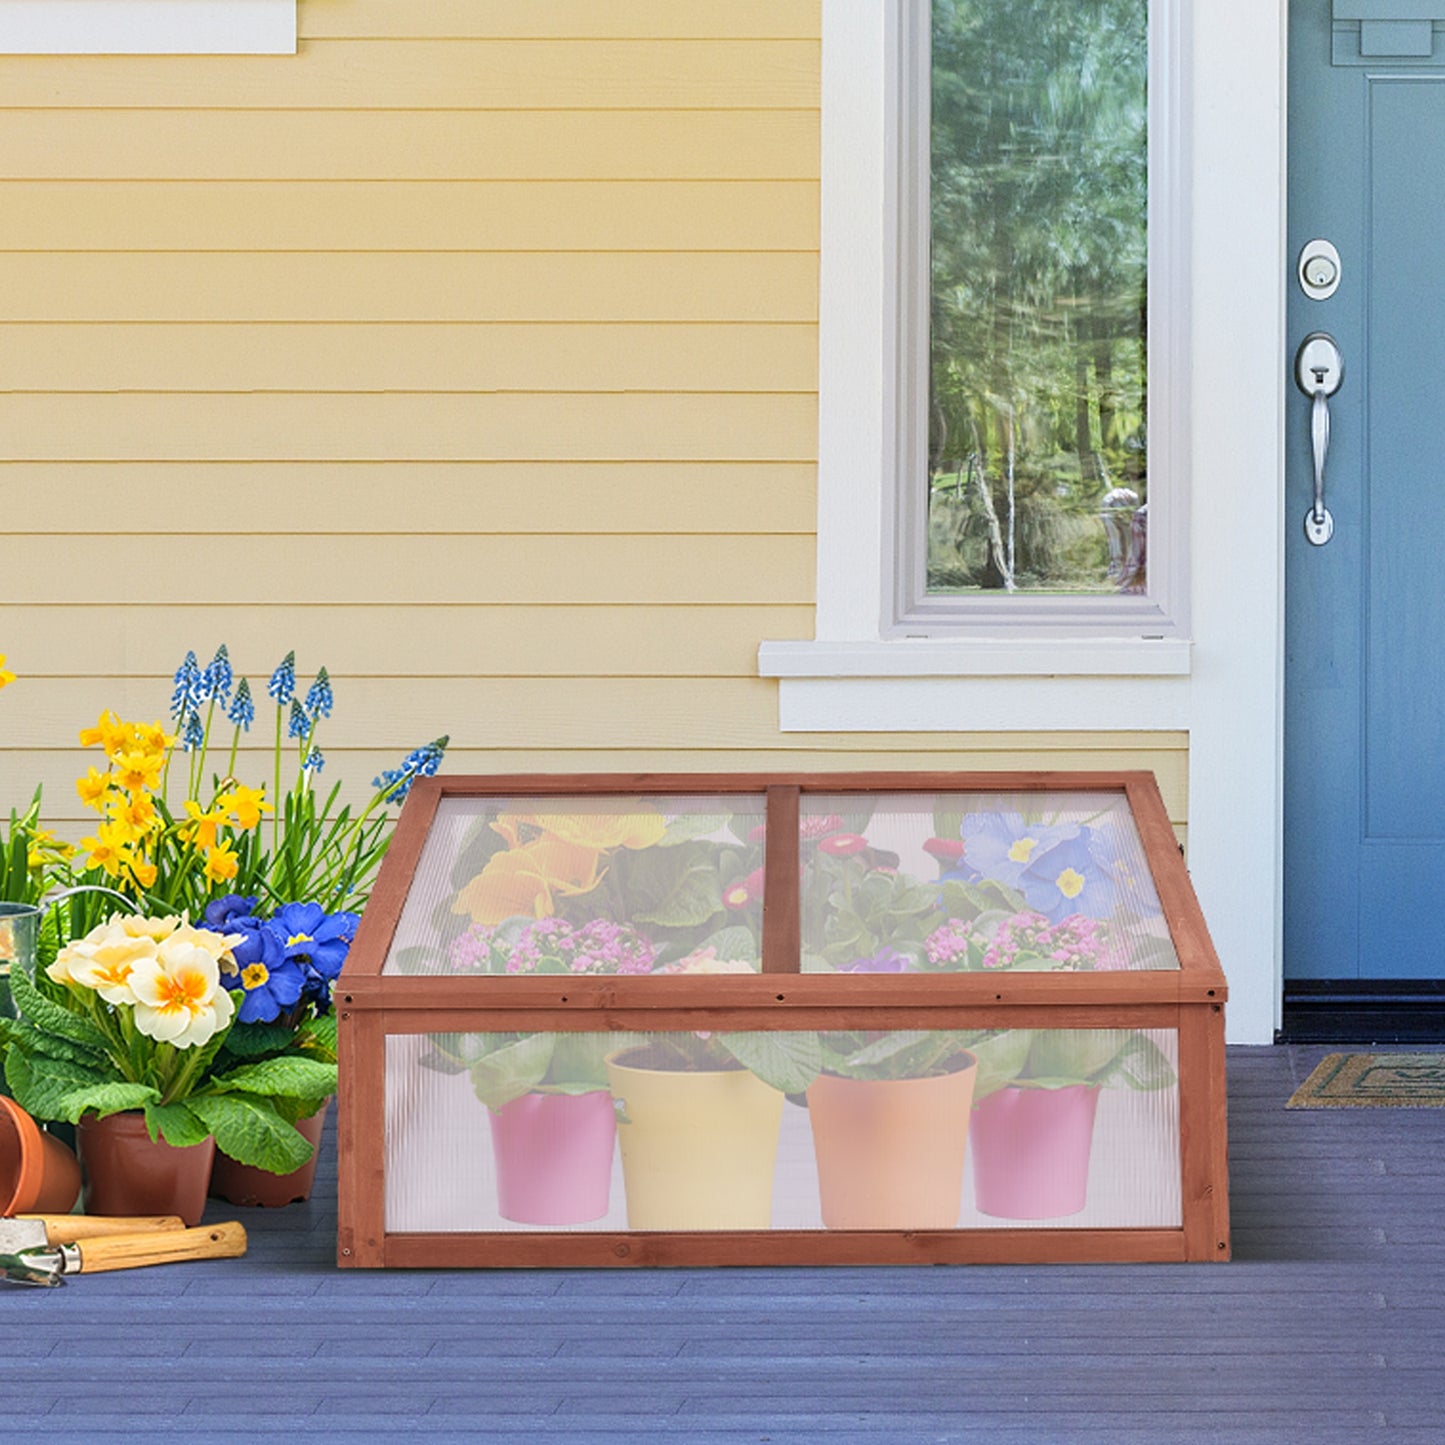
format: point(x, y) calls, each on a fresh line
point(978, 657)
point(982, 685)
point(148, 27)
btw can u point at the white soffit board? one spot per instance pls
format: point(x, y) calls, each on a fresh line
point(148, 27)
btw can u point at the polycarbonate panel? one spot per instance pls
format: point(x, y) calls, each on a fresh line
point(954, 882)
point(597, 885)
point(898, 1130)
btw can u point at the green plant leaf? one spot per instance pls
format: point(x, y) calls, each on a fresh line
point(788, 1062)
point(177, 1123)
point(50, 1017)
point(257, 1041)
point(513, 1070)
point(54, 1089)
point(734, 944)
point(288, 1076)
point(1001, 1060)
point(249, 1129)
point(317, 1038)
point(676, 888)
point(34, 1041)
point(688, 826)
point(1142, 1065)
point(1080, 1056)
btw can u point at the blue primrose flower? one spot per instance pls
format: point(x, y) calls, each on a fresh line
point(224, 914)
point(1002, 846)
point(314, 939)
point(282, 686)
point(242, 712)
point(272, 982)
point(1066, 879)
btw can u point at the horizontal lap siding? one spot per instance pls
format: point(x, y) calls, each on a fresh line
point(472, 352)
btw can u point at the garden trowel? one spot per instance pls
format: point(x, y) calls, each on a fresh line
point(52, 1250)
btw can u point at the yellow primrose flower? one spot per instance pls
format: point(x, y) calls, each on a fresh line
point(222, 864)
point(179, 999)
point(94, 787)
point(6, 678)
point(244, 804)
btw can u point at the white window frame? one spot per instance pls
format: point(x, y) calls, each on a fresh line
point(148, 27)
point(873, 350)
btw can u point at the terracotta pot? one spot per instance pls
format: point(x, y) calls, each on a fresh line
point(38, 1174)
point(554, 1157)
point(127, 1173)
point(890, 1151)
point(1031, 1151)
point(698, 1149)
point(247, 1185)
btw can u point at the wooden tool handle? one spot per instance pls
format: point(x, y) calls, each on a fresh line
point(216, 1241)
point(69, 1228)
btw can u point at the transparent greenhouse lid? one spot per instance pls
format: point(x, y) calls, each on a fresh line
point(899, 882)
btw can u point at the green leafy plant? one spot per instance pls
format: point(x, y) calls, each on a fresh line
point(896, 1054)
point(1063, 1058)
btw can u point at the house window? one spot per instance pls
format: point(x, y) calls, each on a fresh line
point(951, 303)
point(147, 27)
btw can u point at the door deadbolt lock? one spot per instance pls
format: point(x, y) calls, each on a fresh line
point(1319, 270)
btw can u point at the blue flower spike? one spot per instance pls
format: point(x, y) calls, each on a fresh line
point(242, 712)
point(314, 760)
point(193, 732)
point(300, 724)
point(218, 677)
point(187, 684)
point(282, 686)
point(395, 783)
point(319, 699)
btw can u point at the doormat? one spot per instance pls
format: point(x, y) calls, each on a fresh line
point(1374, 1081)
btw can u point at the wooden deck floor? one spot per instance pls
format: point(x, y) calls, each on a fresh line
point(1328, 1327)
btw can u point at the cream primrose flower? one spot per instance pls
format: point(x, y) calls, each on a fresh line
point(104, 958)
point(179, 998)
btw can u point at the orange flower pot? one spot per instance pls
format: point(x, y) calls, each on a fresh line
point(890, 1151)
point(38, 1174)
point(247, 1185)
point(127, 1172)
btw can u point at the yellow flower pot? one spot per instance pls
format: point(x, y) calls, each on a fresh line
point(698, 1149)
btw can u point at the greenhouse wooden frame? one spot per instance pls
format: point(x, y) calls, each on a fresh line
point(371, 1006)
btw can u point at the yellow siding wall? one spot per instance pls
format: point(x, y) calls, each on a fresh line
point(471, 352)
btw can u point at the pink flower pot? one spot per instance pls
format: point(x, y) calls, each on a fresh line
point(1031, 1151)
point(554, 1157)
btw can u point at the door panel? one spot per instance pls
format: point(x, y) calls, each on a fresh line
point(1365, 614)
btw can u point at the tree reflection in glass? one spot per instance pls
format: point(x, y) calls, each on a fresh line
point(1037, 446)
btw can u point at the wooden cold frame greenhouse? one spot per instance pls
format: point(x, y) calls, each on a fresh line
point(785, 1019)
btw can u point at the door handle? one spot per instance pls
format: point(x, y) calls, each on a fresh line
point(1319, 370)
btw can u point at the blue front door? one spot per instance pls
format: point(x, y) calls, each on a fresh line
point(1365, 614)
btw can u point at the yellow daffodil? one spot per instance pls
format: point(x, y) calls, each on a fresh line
point(179, 998)
point(245, 805)
point(107, 848)
point(94, 787)
point(109, 732)
point(201, 831)
point(142, 870)
point(6, 677)
point(138, 771)
point(137, 812)
point(221, 863)
point(151, 738)
point(46, 848)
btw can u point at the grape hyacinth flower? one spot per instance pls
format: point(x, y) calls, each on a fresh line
point(217, 679)
point(193, 732)
point(187, 684)
point(314, 761)
point(242, 711)
point(319, 698)
point(299, 724)
point(282, 686)
point(395, 783)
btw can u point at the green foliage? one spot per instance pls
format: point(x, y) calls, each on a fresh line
point(787, 1062)
point(901, 1054)
point(1062, 1058)
point(251, 1130)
